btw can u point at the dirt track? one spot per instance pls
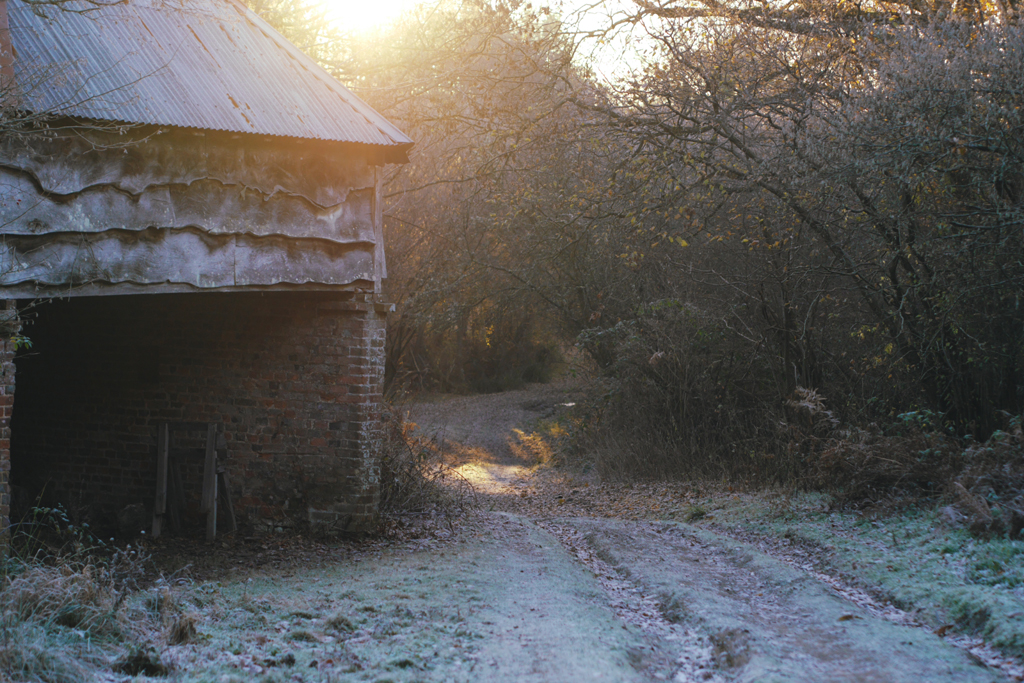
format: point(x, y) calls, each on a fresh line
point(576, 598)
point(554, 578)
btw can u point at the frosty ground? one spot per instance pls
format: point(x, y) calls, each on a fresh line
point(556, 576)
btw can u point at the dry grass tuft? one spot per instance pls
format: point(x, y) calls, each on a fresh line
point(339, 623)
point(182, 630)
point(140, 661)
point(64, 596)
point(71, 612)
point(51, 618)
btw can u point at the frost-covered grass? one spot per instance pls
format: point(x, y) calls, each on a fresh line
point(921, 563)
point(73, 619)
point(73, 608)
point(356, 622)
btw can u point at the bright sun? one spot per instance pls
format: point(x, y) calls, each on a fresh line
point(363, 15)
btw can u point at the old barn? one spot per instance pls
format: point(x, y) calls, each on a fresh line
point(192, 235)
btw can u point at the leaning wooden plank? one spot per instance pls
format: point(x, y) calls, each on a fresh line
point(209, 470)
point(211, 520)
point(210, 482)
point(160, 504)
point(162, 451)
point(230, 509)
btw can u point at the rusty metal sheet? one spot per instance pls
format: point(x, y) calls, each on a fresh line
point(188, 257)
point(180, 210)
point(71, 161)
point(179, 257)
point(205, 64)
point(205, 204)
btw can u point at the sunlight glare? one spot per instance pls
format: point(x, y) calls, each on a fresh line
point(361, 16)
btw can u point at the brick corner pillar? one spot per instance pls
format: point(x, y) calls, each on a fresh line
point(372, 368)
point(354, 507)
point(10, 326)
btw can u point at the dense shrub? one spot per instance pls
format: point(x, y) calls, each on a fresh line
point(863, 466)
point(989, 490)
point(415, 480)
point(686, 396)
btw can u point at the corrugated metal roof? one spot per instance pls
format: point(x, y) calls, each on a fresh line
point(207, 64)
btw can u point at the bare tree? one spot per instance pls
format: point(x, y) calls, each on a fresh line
point(827, 157)
point(836, 183)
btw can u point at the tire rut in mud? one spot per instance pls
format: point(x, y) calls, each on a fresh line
point(760, 619)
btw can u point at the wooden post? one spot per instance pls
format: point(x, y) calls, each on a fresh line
point(209, 500)
point(160, 504)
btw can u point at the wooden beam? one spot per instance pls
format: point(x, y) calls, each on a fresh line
point(209, 470)
point(160, 504)
point(209, 501)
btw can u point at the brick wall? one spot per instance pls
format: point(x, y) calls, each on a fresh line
point(294, 380)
